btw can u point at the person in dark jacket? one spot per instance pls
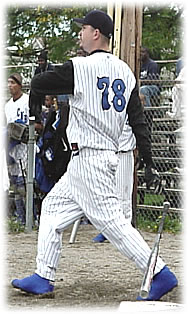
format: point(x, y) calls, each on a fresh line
point(149, 71)
point(43, 66)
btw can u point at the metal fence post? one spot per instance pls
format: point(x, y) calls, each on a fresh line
point(30, 168)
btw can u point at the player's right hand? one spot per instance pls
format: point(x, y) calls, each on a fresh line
point(152, 179)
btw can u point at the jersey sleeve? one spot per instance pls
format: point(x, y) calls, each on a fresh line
point(139, 126)
point(57, 82)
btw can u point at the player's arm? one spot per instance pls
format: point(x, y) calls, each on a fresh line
point(139, 126)
point(140, 130)
point(57, 82)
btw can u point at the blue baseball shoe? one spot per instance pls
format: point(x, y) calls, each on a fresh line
point(162, 283)
point(33, 284)
point(99, 238)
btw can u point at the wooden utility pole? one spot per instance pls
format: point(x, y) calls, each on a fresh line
point(131, 37)
point(127, 37)
point(126, 44)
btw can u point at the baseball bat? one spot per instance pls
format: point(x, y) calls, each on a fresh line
point(148, 276)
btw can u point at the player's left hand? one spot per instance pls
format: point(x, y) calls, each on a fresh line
point(152, 179)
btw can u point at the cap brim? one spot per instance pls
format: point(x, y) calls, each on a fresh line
point(79, 22)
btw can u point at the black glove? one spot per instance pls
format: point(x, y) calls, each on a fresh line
point(152, 178)
point(139, 163)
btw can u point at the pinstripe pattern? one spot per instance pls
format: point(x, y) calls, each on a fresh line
point(102, 128)
point(125, 169)
point(97, 199)
point(124, 182)
point(58, 212)
point(127, 140)
point(89, 186)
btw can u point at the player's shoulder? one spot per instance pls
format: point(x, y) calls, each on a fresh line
point(99, 57)
point(25, 96)
point(103, 60)
point(9, 102)
point(24, 99)
point(117, 61)
point(79, 59)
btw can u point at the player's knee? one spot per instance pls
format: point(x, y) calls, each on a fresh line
point(109, 223)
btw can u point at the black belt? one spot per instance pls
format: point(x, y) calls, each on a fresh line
point(121, 151)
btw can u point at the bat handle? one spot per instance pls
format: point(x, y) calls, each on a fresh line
point(166, 206)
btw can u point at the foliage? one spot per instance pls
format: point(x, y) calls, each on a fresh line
point(54, 25)
point(51, 24)
point(171, 225)
point(14, 226)
point(149, 220)
point(163, 31)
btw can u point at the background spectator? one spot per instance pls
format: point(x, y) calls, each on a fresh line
point(43, 64)
point(47, 107)
point(36, 107)
point(17, 110)
point(178, 109)
point(149, 71)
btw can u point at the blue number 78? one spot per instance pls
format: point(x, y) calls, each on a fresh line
point(118, 88)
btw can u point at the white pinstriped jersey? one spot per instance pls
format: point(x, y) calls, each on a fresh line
point(127, 140)
point(102, 88)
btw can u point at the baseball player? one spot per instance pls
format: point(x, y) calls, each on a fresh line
point(17, 110)
point(104, 97)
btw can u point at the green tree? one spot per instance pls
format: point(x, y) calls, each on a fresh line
point(53, 25)
point(163, 31)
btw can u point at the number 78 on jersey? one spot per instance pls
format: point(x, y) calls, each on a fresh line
point(118, 88)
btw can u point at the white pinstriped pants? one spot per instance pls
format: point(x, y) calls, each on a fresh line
point(88, 187)
point(124, 181)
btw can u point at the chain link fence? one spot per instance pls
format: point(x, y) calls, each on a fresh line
point(165, 122)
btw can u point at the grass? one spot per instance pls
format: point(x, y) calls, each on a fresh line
point(14, 226)
point(171, 225)
point(152, 199)
point(149, 220)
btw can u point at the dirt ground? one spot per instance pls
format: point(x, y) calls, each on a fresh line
point(90, 275)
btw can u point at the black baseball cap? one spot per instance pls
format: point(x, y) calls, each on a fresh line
point(43, 55)
point(97, 19)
